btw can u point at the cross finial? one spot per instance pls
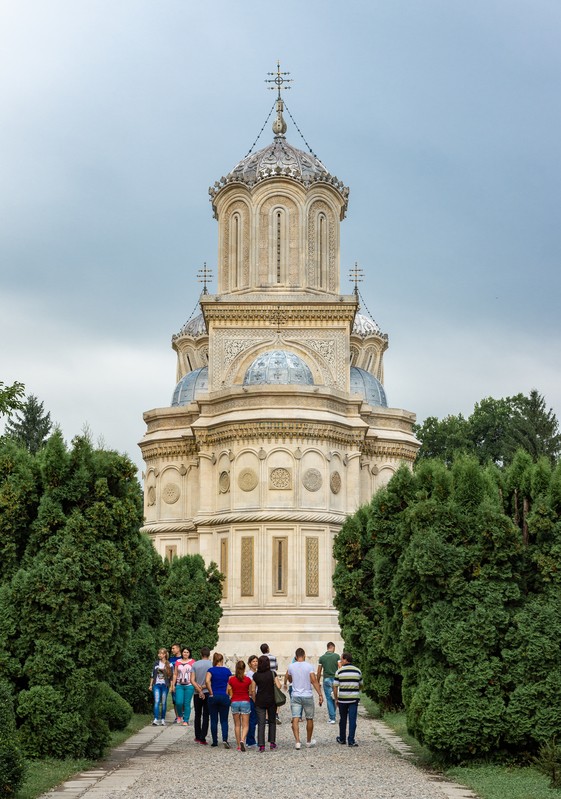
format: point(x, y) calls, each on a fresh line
point(204, 275)
point(355, 274)
point(279, 80)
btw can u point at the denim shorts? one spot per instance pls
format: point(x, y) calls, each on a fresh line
point(241, 707)
point(299, 703)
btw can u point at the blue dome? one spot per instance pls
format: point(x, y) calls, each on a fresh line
point(278, 367)
point(369, 387)
point(190, 387)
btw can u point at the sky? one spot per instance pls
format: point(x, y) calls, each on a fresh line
point(443, 118)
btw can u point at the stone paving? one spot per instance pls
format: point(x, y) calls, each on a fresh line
point(165, 762)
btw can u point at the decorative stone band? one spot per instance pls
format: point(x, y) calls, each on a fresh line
point(279, 430)
point(171, 527)
point(405, 452)
point(340, 312)
point(313, 517)
point(169, 450)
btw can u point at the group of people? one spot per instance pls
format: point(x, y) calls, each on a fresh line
point(254, 693)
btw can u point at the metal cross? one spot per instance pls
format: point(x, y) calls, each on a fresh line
point(204, 275)
point(278, 80)
point(356, 275)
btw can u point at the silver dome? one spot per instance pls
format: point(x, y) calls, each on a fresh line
point(368, 387)
point(195, 327)
point(279, 367)
point(364, 326)
point(190, 387)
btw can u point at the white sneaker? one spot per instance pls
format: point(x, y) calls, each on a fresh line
point(163, 723)
point(313, 742)
point(298, 745)
point(332, 721)
point(155, 723)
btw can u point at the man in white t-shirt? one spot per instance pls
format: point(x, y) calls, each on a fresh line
point(302, 675)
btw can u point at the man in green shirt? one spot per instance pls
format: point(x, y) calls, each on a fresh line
point(329, 663)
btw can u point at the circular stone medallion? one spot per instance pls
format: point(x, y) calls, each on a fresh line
point(312, 480)
point(151, 495)
point(170, 493)
point(335, 482)
point(224, 483)
point(247, 480)
point(280, 478)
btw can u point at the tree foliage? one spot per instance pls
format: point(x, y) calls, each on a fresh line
point(494, 432)
point(449, 593)
point(30, 426)
point(11, 397)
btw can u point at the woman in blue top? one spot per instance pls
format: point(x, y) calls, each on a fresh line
point(219, 693)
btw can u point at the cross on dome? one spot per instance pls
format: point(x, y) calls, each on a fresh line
point(279, 125)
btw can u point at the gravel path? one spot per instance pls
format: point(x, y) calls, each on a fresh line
point(165, 762)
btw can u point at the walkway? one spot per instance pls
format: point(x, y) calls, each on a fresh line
point(165, 762)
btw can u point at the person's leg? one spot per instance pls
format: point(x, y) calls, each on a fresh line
point(250, 740)
point(343, 713)
point(224, 712)
point(328, 691)
point(296, 711)
point(237, 727)
point(213, 711)
point(261, 711)
point(204, 722)
point(189, 691)
point(244, 718)
point(272, 711)
point(309, 708)
point(353, 712)
point(198, 708)
point(157, 697)
point(179, 701)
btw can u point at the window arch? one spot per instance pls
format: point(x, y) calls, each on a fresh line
point(279, 260)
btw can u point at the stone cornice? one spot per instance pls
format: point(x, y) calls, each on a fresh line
point(167, 449)
point(400, 451)
point(170, 527)
point(280, 430)
point(264, 312)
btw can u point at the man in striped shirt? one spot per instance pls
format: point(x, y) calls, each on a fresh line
point(346, 692)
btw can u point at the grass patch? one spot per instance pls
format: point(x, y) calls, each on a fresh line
point(487, 780)
point(42, 775)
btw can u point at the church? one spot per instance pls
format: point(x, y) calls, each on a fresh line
point(279, 426)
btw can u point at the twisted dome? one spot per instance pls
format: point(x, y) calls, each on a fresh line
point(190, 387)
point(278, 367)
point(368, 387)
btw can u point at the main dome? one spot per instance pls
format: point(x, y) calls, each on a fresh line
point(279, 367)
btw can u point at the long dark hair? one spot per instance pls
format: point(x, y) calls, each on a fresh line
point(263, 664)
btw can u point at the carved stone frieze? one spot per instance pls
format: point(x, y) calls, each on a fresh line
point(312, 566)
point(282, 430)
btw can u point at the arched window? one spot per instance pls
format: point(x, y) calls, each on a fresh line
point(279, 267)
point(322, 251)
point(236, 274)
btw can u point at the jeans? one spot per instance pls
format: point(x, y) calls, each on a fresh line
point(160, 692)
point(201, 717)
point(250, 740)
point(183, 696)
point(219, 705)
point(347, 710)
point(271, 713)
point(328, 690)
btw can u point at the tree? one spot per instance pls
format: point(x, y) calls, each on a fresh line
point(191, 597)
point(496, 429)
point(31, 425)
point(11, 397)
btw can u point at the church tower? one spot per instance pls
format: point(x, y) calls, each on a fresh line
point(279, 427)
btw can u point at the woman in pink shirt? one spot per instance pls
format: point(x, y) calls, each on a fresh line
point(241, 707)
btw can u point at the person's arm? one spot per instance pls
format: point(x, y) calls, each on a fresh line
point(317, 686)
point(151, 681)
point(208, 683)
point(252, 691)
point(319, 671)
point(278, 682)
point(229, 690)
point(335, 693)
point(174, 678)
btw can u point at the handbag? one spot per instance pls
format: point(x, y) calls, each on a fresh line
point(280, 697)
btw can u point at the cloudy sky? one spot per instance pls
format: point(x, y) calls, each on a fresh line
point(116, 116)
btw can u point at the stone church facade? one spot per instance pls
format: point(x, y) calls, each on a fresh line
point(279, 427)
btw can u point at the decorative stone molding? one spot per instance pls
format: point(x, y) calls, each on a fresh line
point(280, 478)
point(282, 430)
point(247, 479)
point(224, 483)
point(170, 493)
point(312, 479)
point(261, 517)
point(168, 450)
point(186, 527)
point(335, 482)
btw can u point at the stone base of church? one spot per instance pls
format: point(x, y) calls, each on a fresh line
point(243, 631)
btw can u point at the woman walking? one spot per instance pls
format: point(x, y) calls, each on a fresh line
point(159, 685)
point(182, 686)
point(252, 668)
point(263, 693)
point(241, 704)
point(219, 693)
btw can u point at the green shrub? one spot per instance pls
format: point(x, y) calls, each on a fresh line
point(12, 765)
point(548, 762)
point(111, 707)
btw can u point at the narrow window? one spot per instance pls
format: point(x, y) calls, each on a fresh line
point(170, 552)
point(247, 567)
point(280, 552)
point(279, 249)
point(312, 566)
point(322, 254)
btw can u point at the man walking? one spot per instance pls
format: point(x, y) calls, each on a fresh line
point(200, 697)
point(303, 678)
point(346, 689)
point(329, 663)
point(274, 665)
